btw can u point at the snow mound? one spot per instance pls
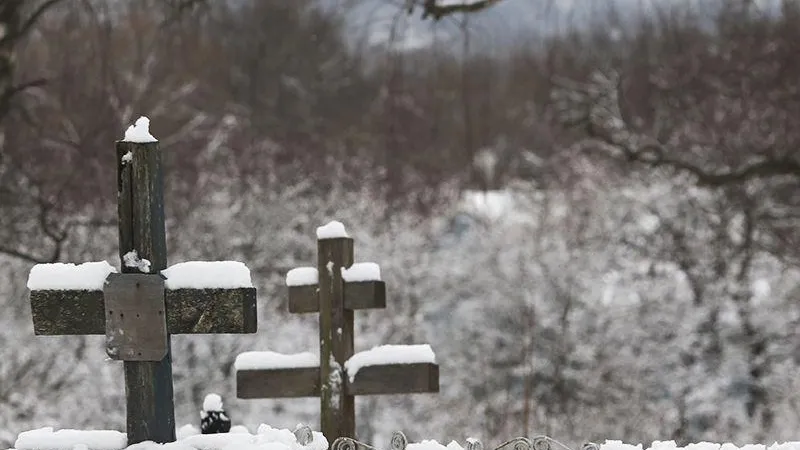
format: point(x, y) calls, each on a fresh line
point(332, 230)
point(186, 431)
point(389, 354)
point(89, 276)
point(47, 439)
point(207, 275)
point(272, 360)
point(366, 271)
point(139, 132)
point(433, 445)
point(212, 403)
point(302, 276)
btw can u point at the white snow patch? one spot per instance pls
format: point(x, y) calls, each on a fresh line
point(207, 275)
point(46, 439)
point(186, 431)
point(132, 260)
point(334, 381)
point(218, 441)
point(273, 360)
point(267, 434)
point(269, 438)
point(366, 271)
point(649, 223)
point(212, 403)
point(619, 445)
point(429, 444)
point(389, 354)
point(139, 132)
point(150, 445)
point(302, 276)
point(127, 157)
point(332, 230)
point(89, 276)
point(761, 288)
point(492, 205)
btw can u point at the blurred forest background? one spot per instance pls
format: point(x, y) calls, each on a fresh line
point(591, 215)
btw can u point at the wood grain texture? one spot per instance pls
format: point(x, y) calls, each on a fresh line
point(148, 385)
point(67, 312)
point(303, 299)
point(365, 295)
point(395, 379)
point(357, 295)
point(212, 311)
point(189, 311)
point(278, 383)
point(336, 338)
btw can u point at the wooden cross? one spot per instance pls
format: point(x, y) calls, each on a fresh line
point(335, 293)
point(135, 309)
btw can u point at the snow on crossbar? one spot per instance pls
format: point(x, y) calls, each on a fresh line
point(89, 276)
point(366, 271)
point(302, 276)
point(267, 360)
point(389, 354)
point(207, 275)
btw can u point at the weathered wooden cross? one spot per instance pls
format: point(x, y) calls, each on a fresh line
point(335, 288)
point(141, 307)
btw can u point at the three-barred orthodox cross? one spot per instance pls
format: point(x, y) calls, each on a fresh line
point(336, 288)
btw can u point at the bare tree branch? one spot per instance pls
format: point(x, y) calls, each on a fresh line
point(432, 8)
point(597, 107)
point(19, 32)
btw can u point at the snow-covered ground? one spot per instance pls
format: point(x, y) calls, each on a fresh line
point(269, 438)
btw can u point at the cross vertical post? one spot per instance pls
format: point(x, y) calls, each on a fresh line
point(336, 337)
point(148, 384)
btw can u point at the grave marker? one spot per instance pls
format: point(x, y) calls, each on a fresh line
point(336, 288)
point(141, 307)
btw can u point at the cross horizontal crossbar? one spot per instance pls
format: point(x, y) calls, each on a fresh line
point(369, 380)
point(278, 383)
point(189, 311)
point(357, 295)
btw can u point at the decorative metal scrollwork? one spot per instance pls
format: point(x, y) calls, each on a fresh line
point(398, 441)
point(303, 434)
point(520, 443)
point(542, 443)
point(344, 443)
point(474, 444)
